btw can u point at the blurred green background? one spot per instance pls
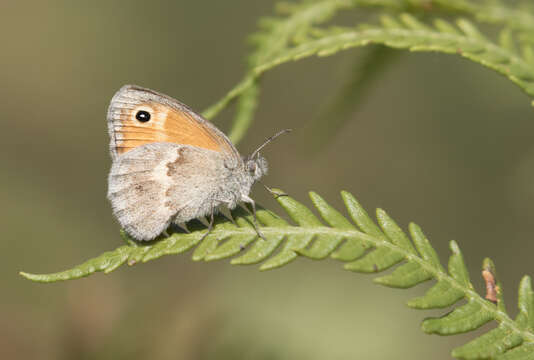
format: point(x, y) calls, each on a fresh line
point(434, 139)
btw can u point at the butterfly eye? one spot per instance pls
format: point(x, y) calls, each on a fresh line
point(142, 116)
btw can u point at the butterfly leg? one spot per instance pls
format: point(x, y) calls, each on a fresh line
point(184, 227)
point(210, 226)
point(256, 223)
point(225, 211)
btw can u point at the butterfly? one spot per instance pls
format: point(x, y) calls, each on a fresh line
point(170, 165)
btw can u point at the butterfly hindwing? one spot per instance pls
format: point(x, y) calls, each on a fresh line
point(156, 184)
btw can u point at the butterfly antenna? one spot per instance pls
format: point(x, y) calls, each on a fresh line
point(268, 140)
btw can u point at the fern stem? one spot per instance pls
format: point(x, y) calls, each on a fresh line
point(289, 231)
point(441, 275)
point(302, 16)
point(274, 46)
point(476, 49)
point(236, 91)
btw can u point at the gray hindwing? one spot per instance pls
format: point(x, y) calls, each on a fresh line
point(155, 184)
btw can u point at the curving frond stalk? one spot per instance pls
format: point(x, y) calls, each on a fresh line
point(299, 33)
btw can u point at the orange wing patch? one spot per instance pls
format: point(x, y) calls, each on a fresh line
point(166, 124)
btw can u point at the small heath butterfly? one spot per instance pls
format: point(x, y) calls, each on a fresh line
point(170, 165)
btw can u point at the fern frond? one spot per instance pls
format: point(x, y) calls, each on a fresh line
point(364, 246)
point(402, 32)
point(405, 34)
point(275, 36)
point(489, 12)
point(292, 35)
point(498, 14)
point(364, 72)
point(277, 32)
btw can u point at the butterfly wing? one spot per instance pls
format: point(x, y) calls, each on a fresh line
point(168, 120)
point(169, 164)
point(155, 184)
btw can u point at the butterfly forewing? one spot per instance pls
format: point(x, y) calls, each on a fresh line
point(162, 119)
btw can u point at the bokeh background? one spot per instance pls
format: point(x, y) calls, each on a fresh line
point(433, 139)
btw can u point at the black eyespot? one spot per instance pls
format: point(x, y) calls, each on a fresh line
point(142, 116)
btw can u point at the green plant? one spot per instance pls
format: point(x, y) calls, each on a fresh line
point(306, 29)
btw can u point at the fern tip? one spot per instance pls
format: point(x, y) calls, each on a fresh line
point(32, 277)
point(453, 245)
point(414, 227)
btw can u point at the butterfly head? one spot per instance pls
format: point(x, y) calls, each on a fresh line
point(256, 166)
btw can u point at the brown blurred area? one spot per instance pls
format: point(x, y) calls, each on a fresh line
point(434, 139)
